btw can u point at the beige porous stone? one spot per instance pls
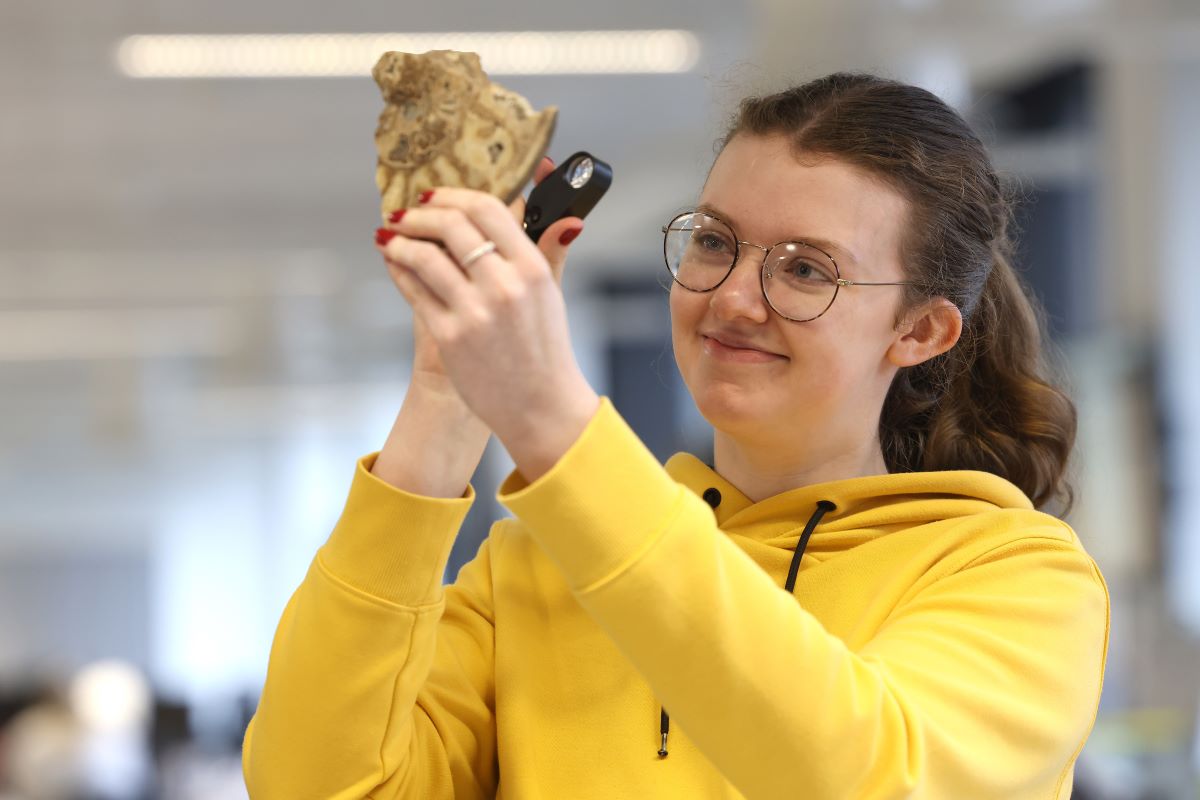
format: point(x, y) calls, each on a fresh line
point(445, 124)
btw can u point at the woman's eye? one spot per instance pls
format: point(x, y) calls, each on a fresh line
point(807, 271)
point(710, 241)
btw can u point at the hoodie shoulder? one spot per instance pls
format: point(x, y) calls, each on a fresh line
point(1016, 529)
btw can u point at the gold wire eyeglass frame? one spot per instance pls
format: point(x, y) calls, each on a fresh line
point(839, 281)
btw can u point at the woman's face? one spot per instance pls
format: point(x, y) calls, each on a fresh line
point(826, 384)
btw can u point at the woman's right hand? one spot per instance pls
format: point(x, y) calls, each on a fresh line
point(428, 372)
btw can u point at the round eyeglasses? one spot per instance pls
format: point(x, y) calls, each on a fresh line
point(799, 281)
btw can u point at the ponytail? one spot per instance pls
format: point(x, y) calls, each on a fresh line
point(988, 403)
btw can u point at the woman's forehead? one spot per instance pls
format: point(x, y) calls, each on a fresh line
point(760, 188)
point(840, 251)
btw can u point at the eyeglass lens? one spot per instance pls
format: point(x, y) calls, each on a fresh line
point(799, 281)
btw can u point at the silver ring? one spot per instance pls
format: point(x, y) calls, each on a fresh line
point(478, 253)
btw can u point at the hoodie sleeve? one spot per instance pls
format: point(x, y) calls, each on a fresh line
point(985, 685)
point(380, 681)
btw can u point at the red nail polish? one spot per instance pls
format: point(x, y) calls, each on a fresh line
point(425, 195)
point(383, 236)
point(396, 216)
point(569, 236)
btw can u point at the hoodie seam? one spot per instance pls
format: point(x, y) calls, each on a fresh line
point(344, 585)
point(1066, 545)
point(640, 552)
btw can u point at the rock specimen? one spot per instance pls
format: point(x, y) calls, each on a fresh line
point(445, 124)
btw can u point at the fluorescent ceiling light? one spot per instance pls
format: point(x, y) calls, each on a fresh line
point(353, 54)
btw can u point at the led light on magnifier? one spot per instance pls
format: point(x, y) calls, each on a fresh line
point(580, 172)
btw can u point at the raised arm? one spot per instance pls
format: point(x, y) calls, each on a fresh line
point(380, 684)
point(370, 647)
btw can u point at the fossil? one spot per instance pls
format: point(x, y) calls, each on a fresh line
point(444, 123)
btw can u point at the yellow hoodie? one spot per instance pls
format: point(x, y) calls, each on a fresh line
point(943, 640)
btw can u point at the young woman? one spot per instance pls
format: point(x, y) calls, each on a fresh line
point(859, 598)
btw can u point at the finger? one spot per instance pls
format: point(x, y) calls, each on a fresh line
point(543, 168)
point(415, 293)
point(449, 226)
point(556, 241)
point(398, 271)
point(441, 276)
point(411, 288)
point(489, 215)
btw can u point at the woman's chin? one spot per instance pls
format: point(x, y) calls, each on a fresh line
point(730, 408)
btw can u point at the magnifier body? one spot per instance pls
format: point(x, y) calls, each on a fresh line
point(572, 190)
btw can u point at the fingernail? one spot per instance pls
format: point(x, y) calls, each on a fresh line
point(569, 236)
point(383, 236)
point(425, 195)
point(549, 160)
point(396, 216)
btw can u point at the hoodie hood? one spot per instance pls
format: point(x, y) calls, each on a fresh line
point(863, 508)
point(827, 518)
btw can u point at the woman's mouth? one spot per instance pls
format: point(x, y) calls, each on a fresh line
point(743, 355)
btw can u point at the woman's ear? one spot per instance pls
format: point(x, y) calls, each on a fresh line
point(928, 330)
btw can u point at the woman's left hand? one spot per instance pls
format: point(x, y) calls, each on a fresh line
point(500, 324)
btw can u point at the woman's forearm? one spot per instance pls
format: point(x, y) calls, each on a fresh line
point(434, 446)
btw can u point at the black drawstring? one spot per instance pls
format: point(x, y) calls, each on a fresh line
point(713, 497)
point(822, 507)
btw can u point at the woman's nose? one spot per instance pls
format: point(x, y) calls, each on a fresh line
point(741, 291)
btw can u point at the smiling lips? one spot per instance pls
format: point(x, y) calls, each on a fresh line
point(717, 349)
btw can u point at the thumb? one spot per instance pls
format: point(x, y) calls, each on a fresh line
point(543, 168)
point(556, 241)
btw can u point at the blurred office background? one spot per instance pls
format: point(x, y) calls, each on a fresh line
point(197, 337)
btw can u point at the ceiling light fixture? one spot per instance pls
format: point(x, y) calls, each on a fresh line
point(329, 55)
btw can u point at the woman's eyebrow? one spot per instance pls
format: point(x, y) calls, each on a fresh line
point(825, 244)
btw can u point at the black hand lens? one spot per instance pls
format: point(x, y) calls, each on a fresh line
point(572, 190)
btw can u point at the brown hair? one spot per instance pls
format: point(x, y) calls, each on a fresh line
point(988, 403)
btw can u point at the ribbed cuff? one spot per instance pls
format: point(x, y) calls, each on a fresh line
point(391, 543)
point(601, 506)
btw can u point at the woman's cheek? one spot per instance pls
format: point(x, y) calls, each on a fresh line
point(684, 329)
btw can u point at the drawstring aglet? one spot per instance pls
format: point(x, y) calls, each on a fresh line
point(664, 725)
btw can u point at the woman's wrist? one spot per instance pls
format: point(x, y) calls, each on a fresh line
point(537, 449)
point(434, 447)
